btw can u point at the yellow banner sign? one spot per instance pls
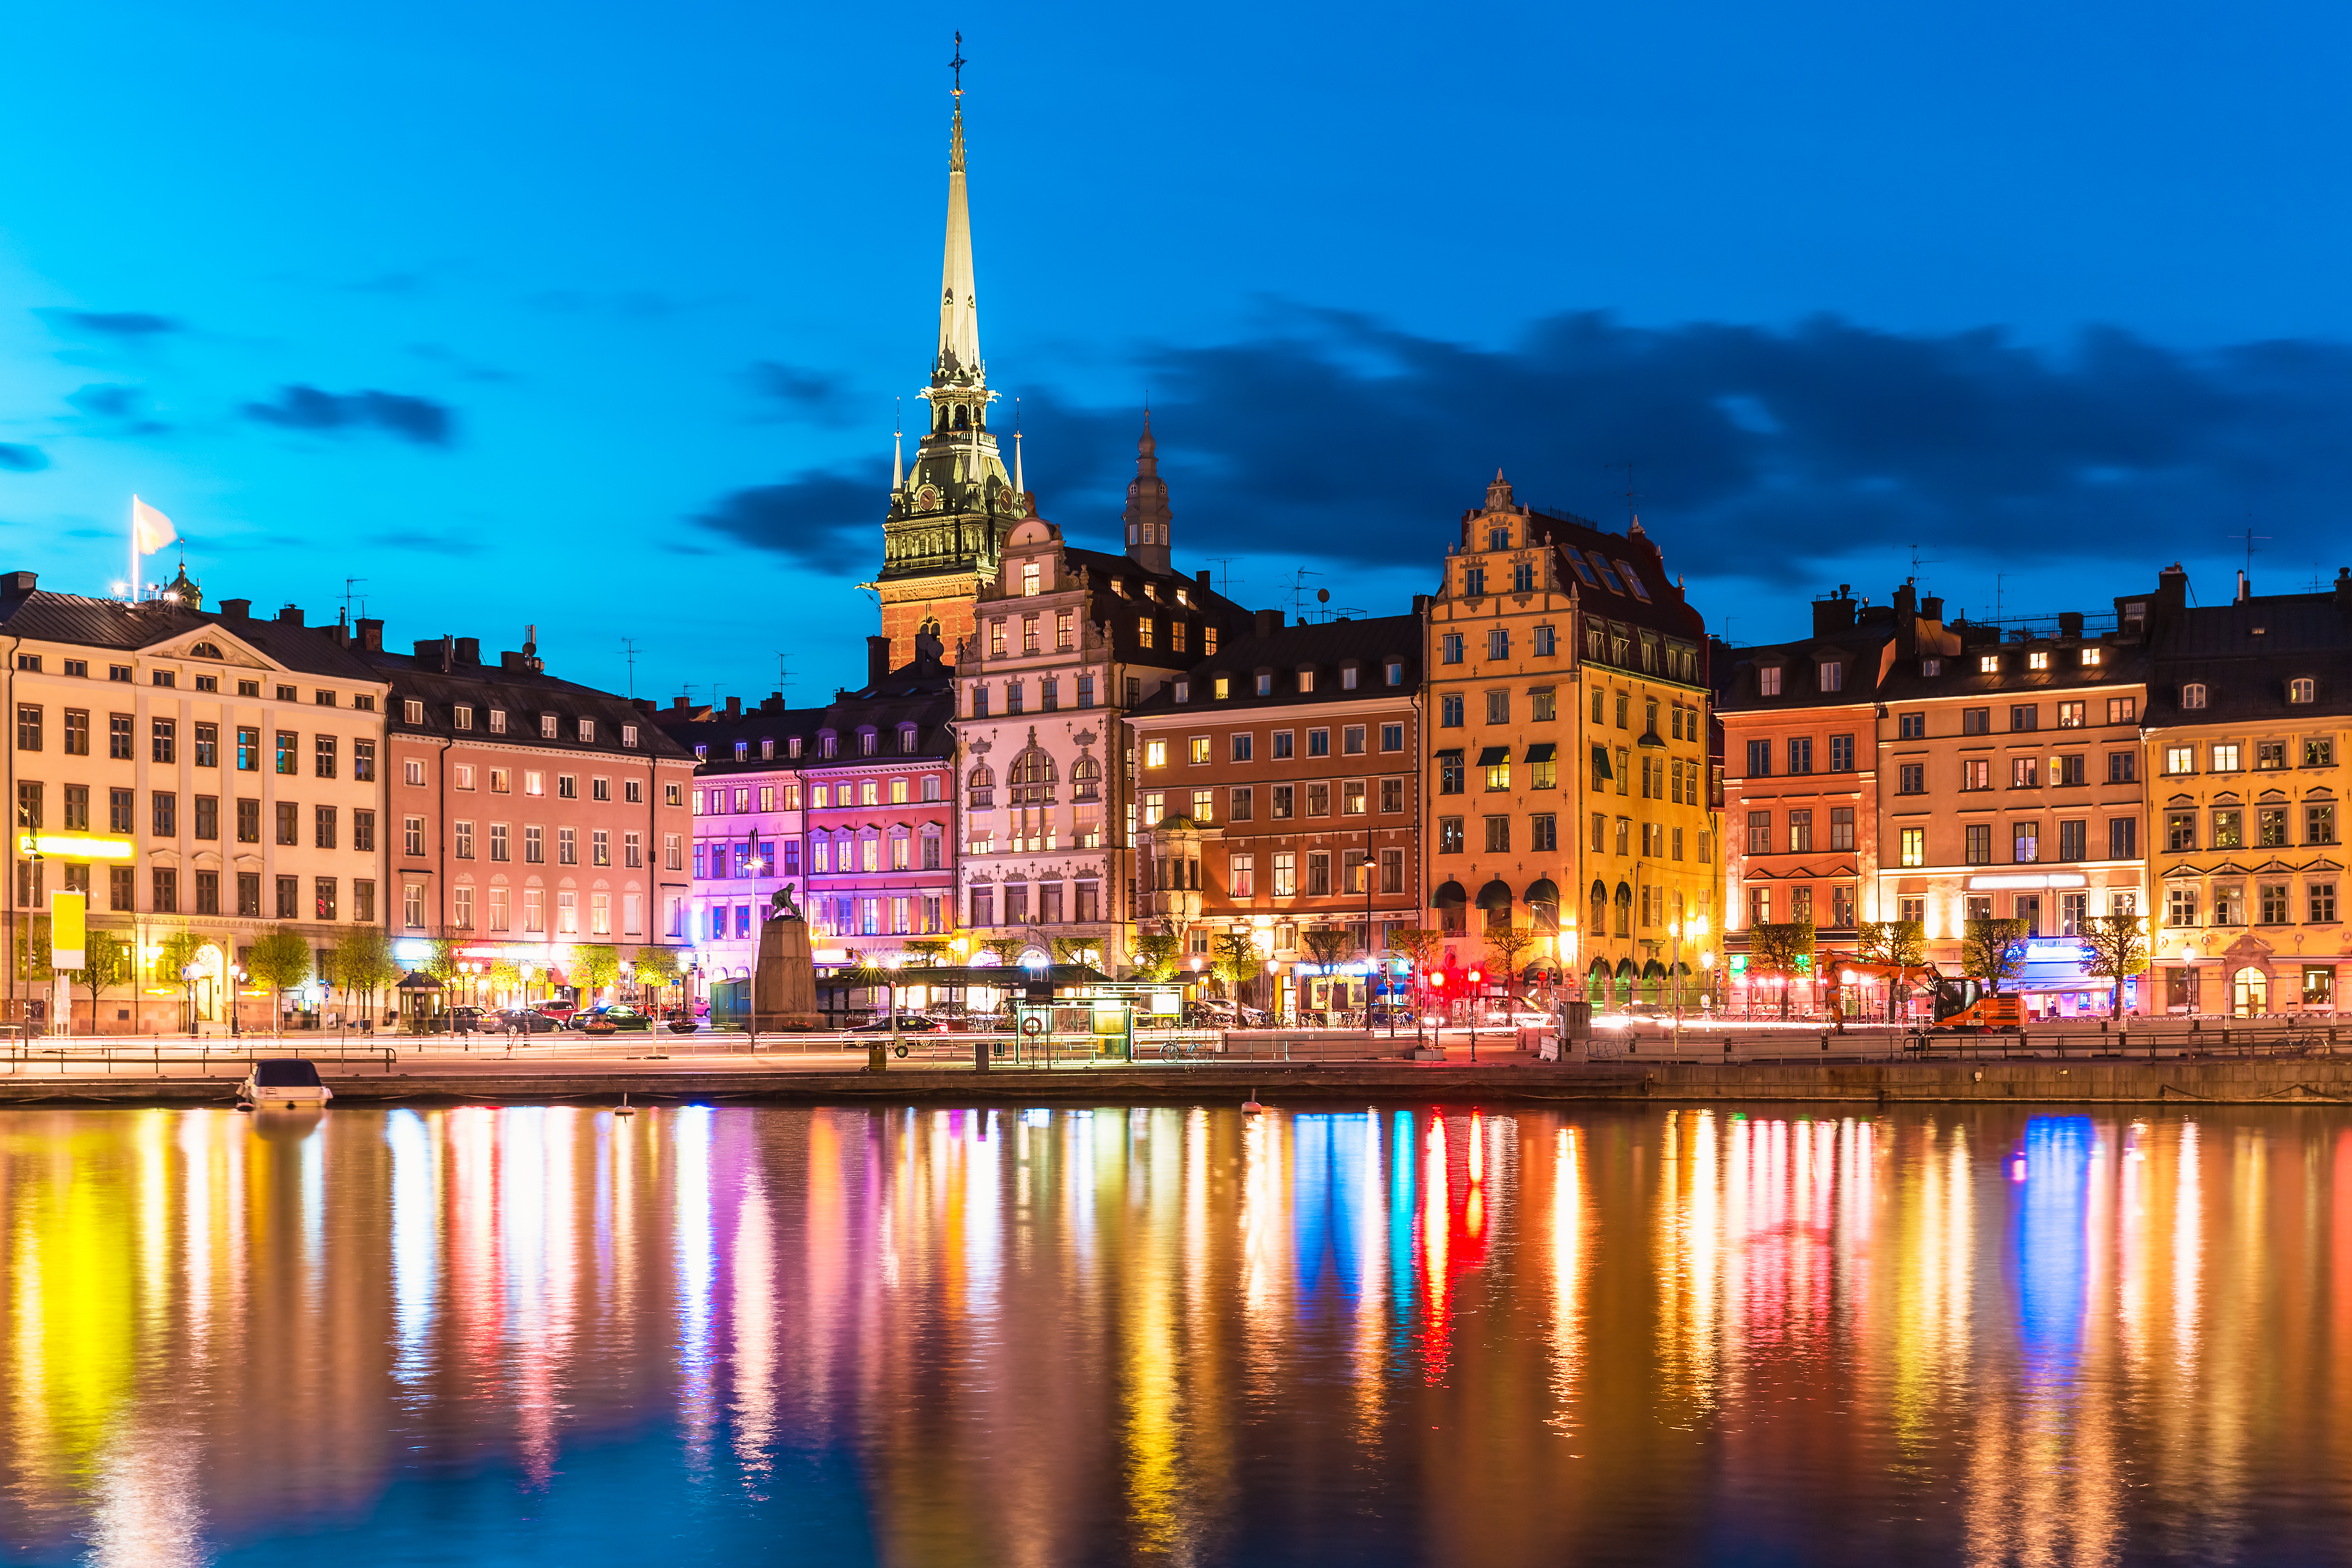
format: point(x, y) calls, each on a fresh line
point(73, 846)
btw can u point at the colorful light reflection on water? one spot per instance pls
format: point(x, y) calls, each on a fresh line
point(1170, 1334)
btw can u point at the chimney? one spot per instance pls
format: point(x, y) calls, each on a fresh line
point(2343, 586)
point(16, 584)
point(1203, 577)
point(877, 663)
point(236, 609)
point(1931, 608)
point(1906, 601)
point(735, 704)
point(1834, 614)
point(428, 649)
point(2245, 586)
point(289, 616)
point(2172, 588)
point(370, 634)
point(1268, 622)
point(469, 650)
point(2070, 623)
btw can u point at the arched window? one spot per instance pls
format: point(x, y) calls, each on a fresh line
point(1086, 779)
point(981, 785)
point(1624, 910)
point(1033, 778)
point(963, 422)
point(1599, 908)
point(203, 650)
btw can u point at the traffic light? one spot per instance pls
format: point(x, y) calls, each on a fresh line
point(1437, 981)
point(1474, 977)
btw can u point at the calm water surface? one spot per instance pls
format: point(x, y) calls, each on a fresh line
point(547, 1335)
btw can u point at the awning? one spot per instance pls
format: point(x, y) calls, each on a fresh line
point(1450, 895)
point(1494, 895)
point(1543, 890)
point(1601, 764)
point(1545, 752)
point(1492, 756)
point(1454, 752)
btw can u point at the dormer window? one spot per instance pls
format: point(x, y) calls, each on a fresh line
point(1029, 578)
point(547, 723)
point(1832, 678)
point(828, 745)
point(1396, 672)
point(1183, 598)
point(2037, 659)
point(742, 749)
point(462, 716)
point(629, 736)
point(1633, 580)
point(498, 721)
point(1931, 667)
point(1347, 678)
point(1184, 691)
point(1988, 664)
point(2302, 689)
point(1223, 687)
point(791, 746)
point(587, 730)
point(907, 739)
point(1767, 680)
point(1265, 683)
point(2193, 694)
point(1306, 680)
point(869, 742)
point(2093, 658)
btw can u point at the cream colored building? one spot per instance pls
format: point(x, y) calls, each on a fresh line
point(192, 771)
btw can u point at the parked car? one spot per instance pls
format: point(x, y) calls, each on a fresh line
point(529, 1020)
point(288, 1082)
point(909, 1024)
point(606, 1020)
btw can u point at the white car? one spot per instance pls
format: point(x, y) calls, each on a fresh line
point(288, 1082)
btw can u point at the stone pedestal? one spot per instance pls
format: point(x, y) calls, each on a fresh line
point(783, 986)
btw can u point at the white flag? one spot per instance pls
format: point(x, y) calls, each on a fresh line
point(150, 529)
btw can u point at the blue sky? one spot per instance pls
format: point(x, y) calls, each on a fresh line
point(594, 317)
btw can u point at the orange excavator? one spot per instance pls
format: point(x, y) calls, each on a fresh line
point(1961, 1002)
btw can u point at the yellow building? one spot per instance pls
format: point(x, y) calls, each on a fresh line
point(2248, 712)
point(1567, 771)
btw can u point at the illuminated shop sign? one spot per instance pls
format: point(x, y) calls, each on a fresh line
point(2026, 881)
point(73, 846)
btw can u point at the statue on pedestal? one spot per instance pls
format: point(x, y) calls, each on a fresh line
point(783, 986)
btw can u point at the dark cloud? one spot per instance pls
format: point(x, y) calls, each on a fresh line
point(22, 459)
point(416, 420)
point(133, 326)
point(436, 354)
point(827, 523)
point(116, 404)
point(1757, 452)
point(813, 394)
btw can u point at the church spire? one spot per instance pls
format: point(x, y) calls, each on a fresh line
point(1147, 514)
point(959, 356)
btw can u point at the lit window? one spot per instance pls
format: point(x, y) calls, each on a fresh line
point(2194, 694)
point(1155, 753)
point(1988, 664)
point(2303, 690)
point(2037, 660)
point(2093, 657)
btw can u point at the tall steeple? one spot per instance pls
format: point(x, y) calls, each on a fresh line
point(1147, 514)
point(953, 505)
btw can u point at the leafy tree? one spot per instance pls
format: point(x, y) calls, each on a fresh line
point(1900, 945)
point(364, 965)
point(1329, 944)
point(176, 952)
point(279, 959)
point(658, 965)
point(928, 951)
point(33, 949)
point(2118, 945)
point(1782, 949)
point(1078, 950)
point(1155, 954)
point(1233, 958)
point(441, 960)
point(1506, 944)
point(1007, 949)
point(593, 967)
point(106, 960)
point(1992, 951)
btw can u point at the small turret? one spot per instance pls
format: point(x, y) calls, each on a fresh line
point(1147, 515)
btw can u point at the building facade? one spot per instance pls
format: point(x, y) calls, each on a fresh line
point(526, 815)
point(2248, 709)
point(208, 774)
point(1566, 774)
point(1280, 782)
point(750, 833)
point(1068, 641)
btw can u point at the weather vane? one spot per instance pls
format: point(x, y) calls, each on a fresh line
point(957, 64)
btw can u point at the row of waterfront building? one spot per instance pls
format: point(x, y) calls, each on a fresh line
point(1061, 750)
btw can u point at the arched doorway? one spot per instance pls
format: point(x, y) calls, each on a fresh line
point(2250, 992)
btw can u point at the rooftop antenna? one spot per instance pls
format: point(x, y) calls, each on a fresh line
point(1996, 578)
point(1226, 575)
point(629, 647)
point(1630, 492)
point(783, 676)
point(350, 584)
point(1298, 595)
point(2251, 538)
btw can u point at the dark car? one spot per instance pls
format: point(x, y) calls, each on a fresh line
point(525, 1020)
point(606, 1020)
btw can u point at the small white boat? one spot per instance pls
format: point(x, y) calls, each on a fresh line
point(289, 1083)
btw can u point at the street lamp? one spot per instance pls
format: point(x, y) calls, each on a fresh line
point(187, 978)
point(878, 1053)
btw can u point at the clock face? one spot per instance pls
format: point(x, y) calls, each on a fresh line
point(928, 499)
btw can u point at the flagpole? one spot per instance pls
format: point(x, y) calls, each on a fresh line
point(134, 550)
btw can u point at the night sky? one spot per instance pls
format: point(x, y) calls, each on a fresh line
point(597, 316)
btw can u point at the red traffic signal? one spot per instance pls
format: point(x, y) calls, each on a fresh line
point(1437, 981)
point(1474, 977)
